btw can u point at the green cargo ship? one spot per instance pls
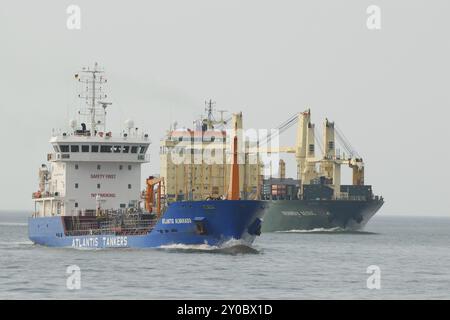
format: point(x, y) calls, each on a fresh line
point(317, 200)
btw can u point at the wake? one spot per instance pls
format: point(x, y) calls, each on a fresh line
point(232, 247)
point(336, 230)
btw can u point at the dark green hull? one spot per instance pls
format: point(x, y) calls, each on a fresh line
point(287, 215)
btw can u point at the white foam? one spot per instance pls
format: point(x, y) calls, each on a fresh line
point(180, 246)
point(335, 229)
point(16, 243)
point(13, 224)
point(206, 247)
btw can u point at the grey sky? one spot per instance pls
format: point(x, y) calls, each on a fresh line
point(387, 89)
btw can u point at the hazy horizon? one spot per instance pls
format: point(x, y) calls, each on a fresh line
point(387, 89)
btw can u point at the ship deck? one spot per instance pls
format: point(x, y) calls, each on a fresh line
point(136, 224)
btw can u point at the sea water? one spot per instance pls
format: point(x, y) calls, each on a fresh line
point(395, 257)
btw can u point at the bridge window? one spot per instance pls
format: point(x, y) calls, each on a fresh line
point(142, 149)
point(134, 149)
point(105, 149)
point(126, 149)
point(84, 148)
point(117, 149)
point(94, 148)
point(64, 148)
point(74, 148)
point(56, 148)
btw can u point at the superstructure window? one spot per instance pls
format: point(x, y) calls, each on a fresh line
point(76, 167)
point(105, 149)
point(129, 186)
point(117, 149)
point(129, 167)
point(98, 186)
point(64, 148)
point(94, 148)
point(330, 145)
point(126, 149)
point(134, 149)
point(76, 185)
point(76, 204)
point(84, 148)
point(120, 167)
point(99, 167)
point(74, 148)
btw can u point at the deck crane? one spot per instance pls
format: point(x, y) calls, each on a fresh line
point(330, 162)
point(280, 129)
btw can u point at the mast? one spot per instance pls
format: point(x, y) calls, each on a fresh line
point(209, 110)
point(234, 187)
point(233, 191)
point(93, 80)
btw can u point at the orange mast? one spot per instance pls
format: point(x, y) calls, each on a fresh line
point(233, 191)
point(150, 194)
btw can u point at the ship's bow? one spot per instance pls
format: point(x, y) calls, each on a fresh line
point(216, 222)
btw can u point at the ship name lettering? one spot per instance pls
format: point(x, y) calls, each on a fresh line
point(115, 241)
point(85, 242)
point(298, 213)
point(176, 221)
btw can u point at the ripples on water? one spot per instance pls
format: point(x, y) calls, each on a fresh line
point(413, 254)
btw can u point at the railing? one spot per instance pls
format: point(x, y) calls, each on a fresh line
point(352, 198)
point(40, 195)
point(103, 156)
point(57, 156)
point(109, 225)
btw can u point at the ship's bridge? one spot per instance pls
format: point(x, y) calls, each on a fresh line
point(102, 147)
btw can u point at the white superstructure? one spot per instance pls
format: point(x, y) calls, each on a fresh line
point(92, 168)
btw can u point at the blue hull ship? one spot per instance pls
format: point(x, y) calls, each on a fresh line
point(89, 195)
point(189, 222)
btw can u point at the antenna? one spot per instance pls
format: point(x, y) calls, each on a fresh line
point(222, 120)
point(93, 80)
point(209, 111)
point(104, 106)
